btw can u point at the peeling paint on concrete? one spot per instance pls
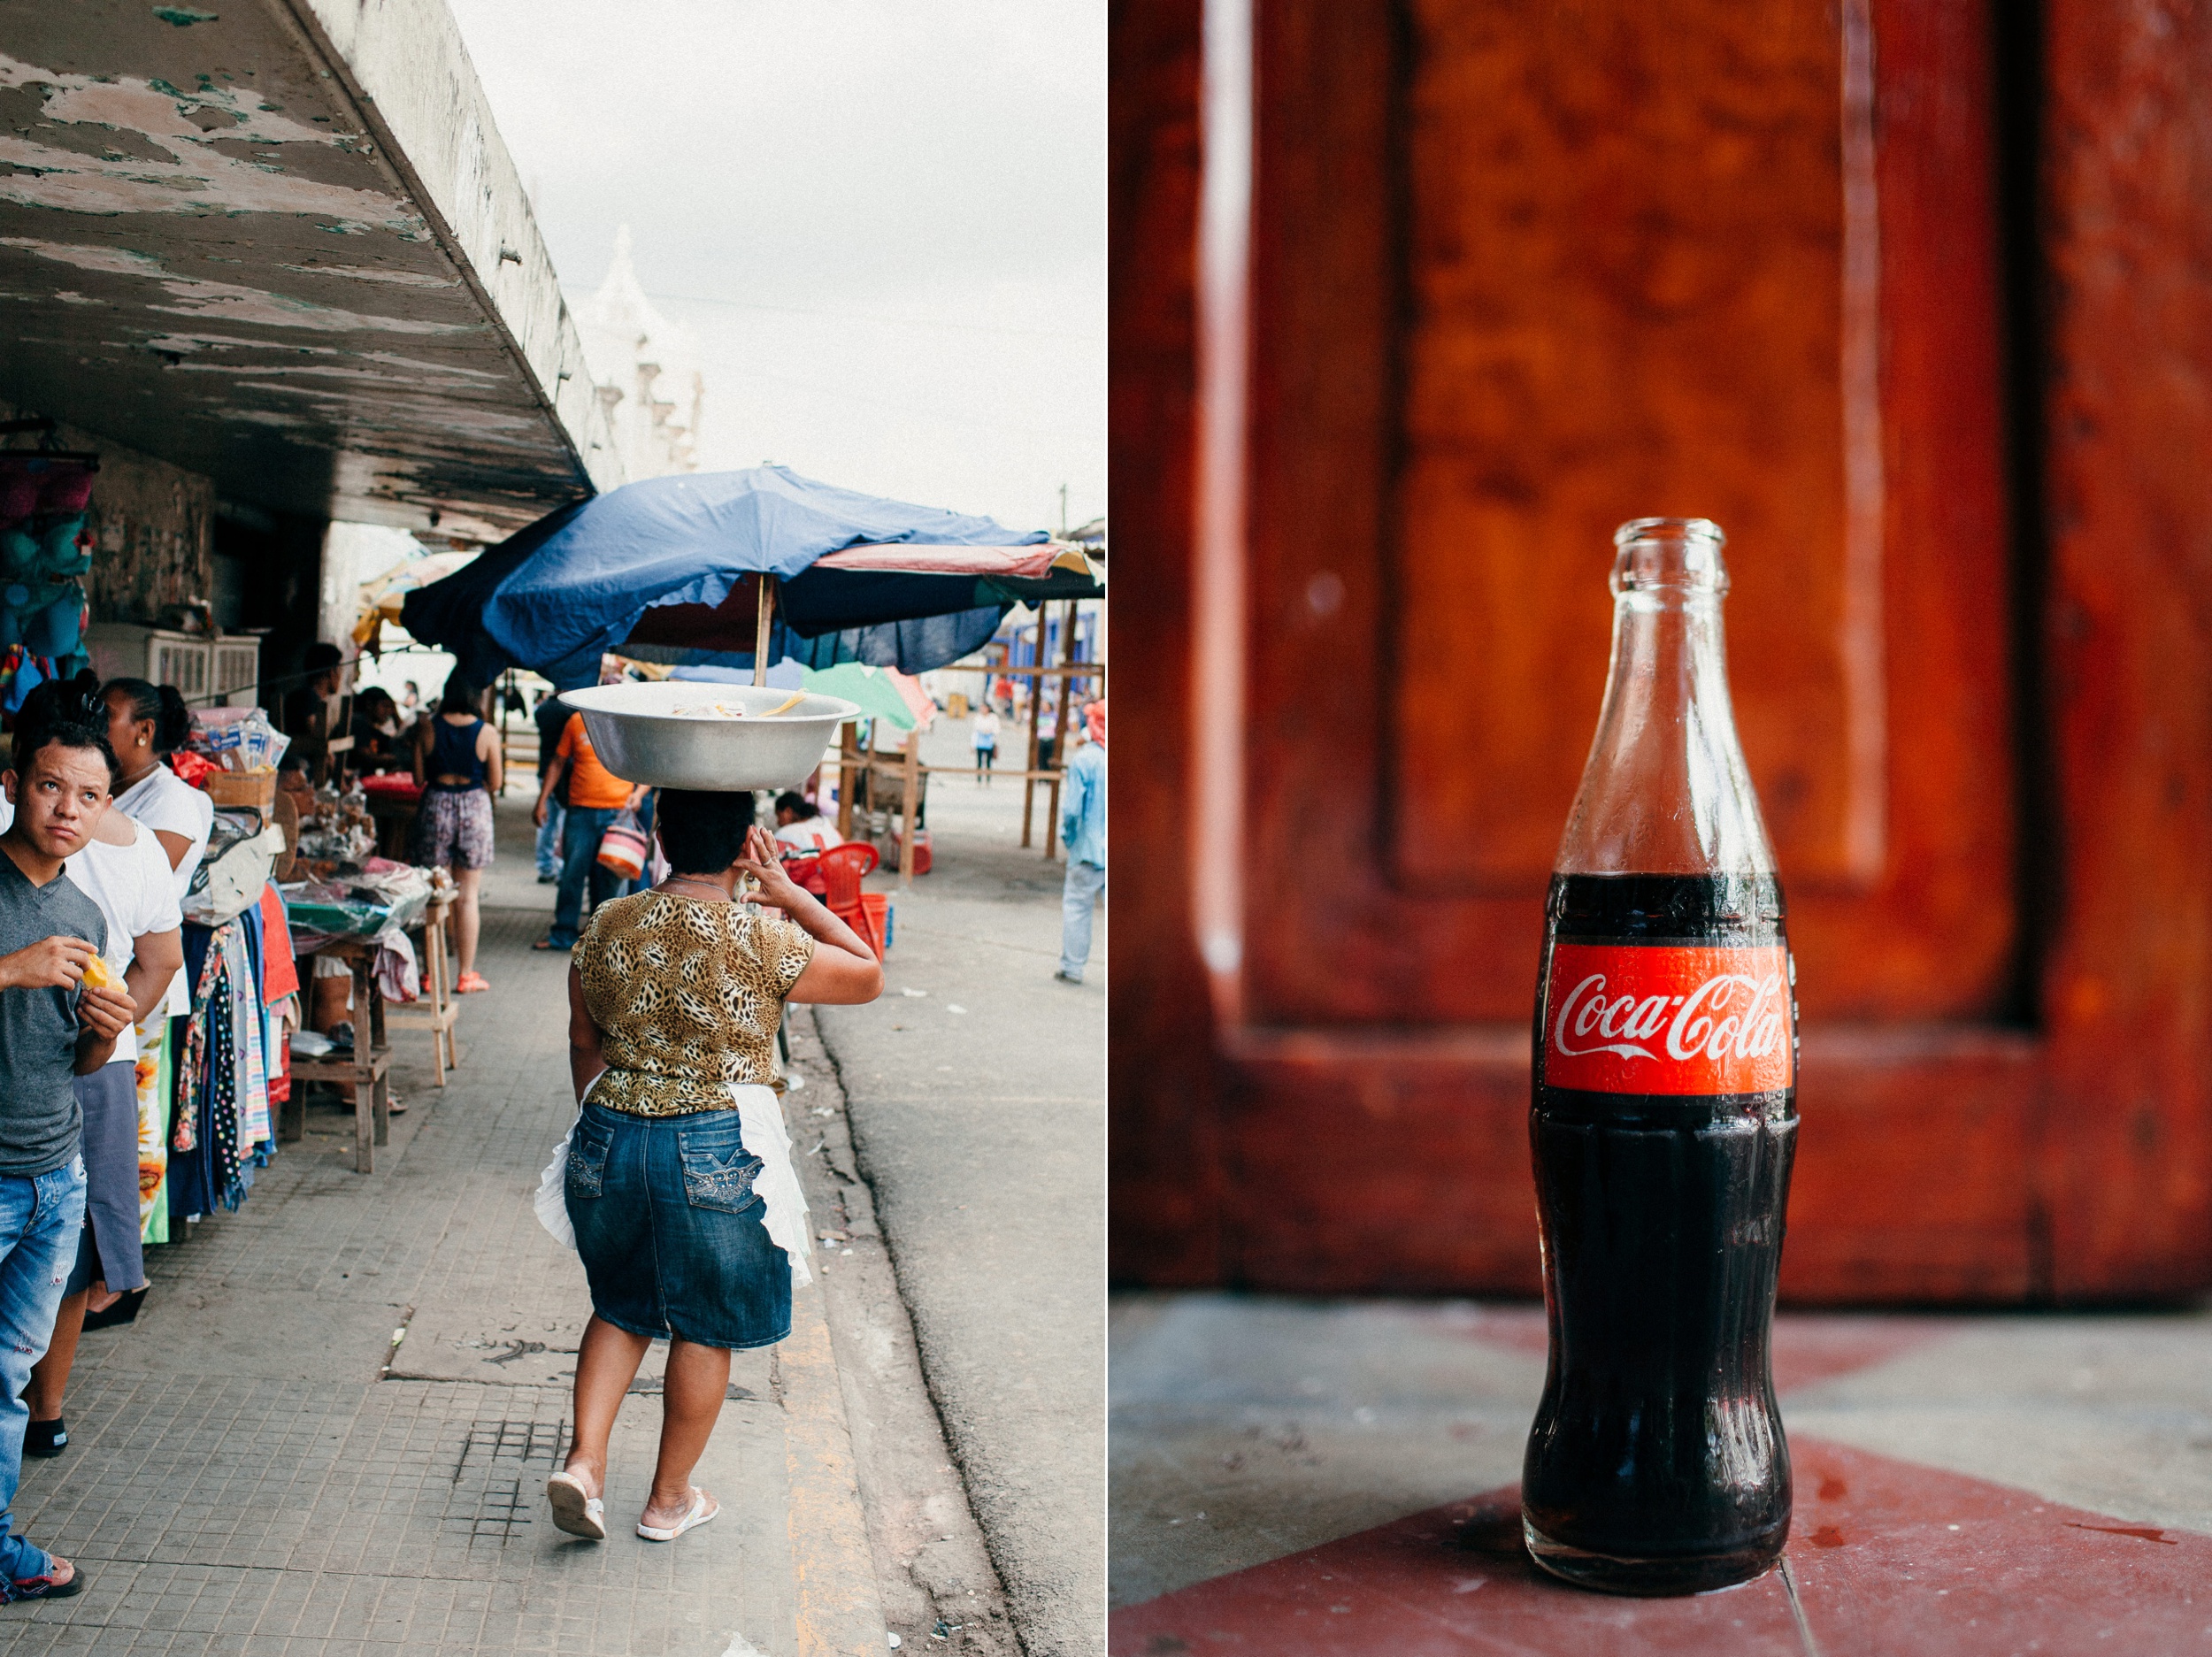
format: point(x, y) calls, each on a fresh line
point(197, 137)
point(214, 249)
point(228, 301)
point(403, 278)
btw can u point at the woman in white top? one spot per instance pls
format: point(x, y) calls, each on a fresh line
point(800, 828)
point(123, 869)
point(146, 724)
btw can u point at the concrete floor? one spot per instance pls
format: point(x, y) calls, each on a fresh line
point(1340, 1476)
point(977, 1097)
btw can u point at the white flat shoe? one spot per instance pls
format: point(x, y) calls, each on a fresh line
point(573, 1510)
point(702, 1508)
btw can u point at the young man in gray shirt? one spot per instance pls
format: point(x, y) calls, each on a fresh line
point(53, 1028)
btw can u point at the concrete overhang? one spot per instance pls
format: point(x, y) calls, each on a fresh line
point(279, 242)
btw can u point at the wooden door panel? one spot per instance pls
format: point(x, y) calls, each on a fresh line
point(1987, 755)
point(1687, 356)
point(1631, 241)
point(1558, 382)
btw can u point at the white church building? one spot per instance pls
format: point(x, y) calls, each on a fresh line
point(646, 371)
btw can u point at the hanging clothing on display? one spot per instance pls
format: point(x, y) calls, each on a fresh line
point(251, 1022)
point(156, 1079)
point(221, 1125)
point(280, 992)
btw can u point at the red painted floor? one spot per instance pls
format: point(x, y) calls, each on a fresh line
point(1889, 1559)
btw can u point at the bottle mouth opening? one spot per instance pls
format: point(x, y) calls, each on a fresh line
point(1668, 554)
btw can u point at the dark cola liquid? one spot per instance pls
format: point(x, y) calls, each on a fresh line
point(1657, 1464)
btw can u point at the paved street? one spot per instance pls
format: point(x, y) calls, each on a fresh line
point(977, 1100)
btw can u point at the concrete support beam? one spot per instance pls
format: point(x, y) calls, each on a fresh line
point(279, 244)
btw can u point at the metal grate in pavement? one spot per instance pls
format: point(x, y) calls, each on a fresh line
point(496, 1476)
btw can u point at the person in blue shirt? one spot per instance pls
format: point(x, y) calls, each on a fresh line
point(551, 718)
point(1083, 832)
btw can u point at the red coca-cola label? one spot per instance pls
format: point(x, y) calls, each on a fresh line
point(1644, 1018)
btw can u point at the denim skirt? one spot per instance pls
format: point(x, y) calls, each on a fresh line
point(670, 1229)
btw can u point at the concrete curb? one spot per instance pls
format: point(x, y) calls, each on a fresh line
point(940, 1588)
point(838, 1612)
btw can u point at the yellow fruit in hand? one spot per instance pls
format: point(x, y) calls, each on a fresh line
point(96, 973)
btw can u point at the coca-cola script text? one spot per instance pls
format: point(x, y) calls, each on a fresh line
point(1656, 1019)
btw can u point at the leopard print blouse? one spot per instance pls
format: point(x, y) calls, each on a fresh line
point(687, 996)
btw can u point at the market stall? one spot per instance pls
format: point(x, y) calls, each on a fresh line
point(744, 570)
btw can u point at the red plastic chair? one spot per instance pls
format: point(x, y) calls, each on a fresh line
point(841, 868)
point(807, 872)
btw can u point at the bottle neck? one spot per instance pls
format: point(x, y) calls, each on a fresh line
point(1666, 790)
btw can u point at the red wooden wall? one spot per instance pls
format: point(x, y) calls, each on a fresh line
point(1916, 307)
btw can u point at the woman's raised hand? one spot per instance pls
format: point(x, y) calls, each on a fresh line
point(776, 889)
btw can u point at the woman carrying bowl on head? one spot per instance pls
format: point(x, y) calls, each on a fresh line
point(679, 1181)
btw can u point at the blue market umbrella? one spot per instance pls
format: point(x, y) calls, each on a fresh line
point(669, 568)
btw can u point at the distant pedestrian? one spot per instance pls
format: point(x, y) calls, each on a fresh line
point(551, 717)
point(986, 737)
point(458, 760)
point(54, 1027)
point(596, 796)
point(1083, 832)
point(678, 1185)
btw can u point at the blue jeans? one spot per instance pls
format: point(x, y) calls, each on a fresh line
point(549, 840)
point(672, 1234)
point(580, 832)
point(39, 1221)
point(1078, 897)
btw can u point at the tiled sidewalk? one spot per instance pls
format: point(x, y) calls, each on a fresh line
point(1340, 1479)
point(246, 1478)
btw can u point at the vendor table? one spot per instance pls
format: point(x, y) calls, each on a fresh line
point(368, 1069)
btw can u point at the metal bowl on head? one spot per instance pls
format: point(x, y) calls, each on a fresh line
point(668, 735)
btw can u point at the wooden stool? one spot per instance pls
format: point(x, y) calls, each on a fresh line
point(368, 1069)
point(440, 1012)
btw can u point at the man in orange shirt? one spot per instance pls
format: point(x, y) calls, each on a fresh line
point(596, 796)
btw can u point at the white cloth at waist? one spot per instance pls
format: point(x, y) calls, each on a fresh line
point(760, 1127)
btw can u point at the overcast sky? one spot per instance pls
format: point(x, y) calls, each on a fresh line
point(882, 221)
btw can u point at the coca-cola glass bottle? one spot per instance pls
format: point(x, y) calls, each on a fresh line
point(1664, 1116)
